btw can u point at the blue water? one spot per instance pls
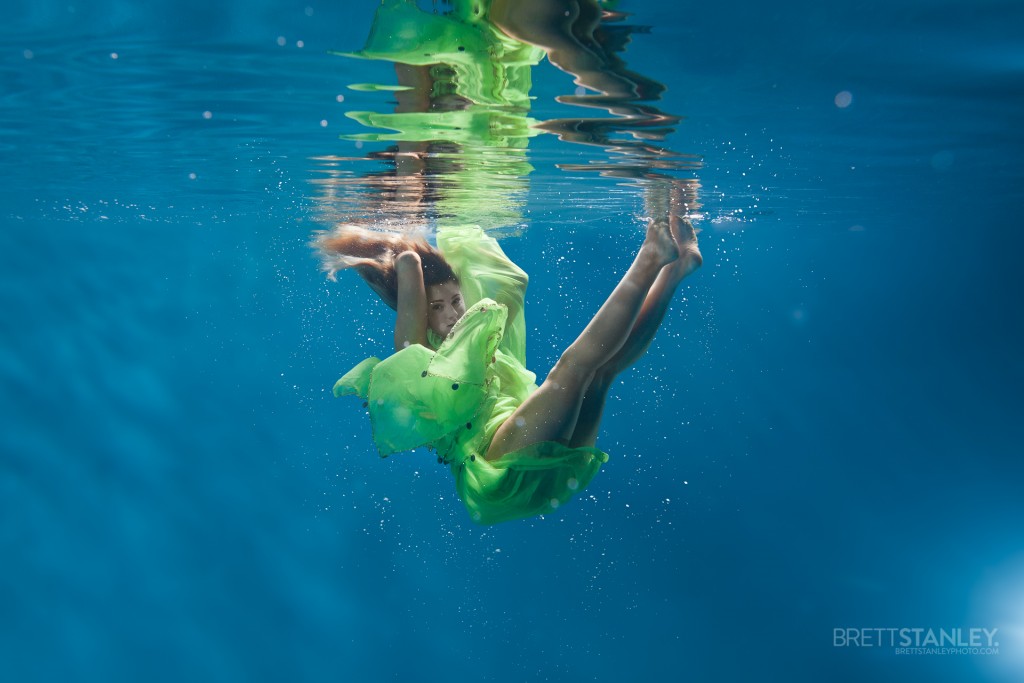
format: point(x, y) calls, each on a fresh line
point(825, 434)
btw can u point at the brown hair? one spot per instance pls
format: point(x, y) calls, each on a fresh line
point(372, 254)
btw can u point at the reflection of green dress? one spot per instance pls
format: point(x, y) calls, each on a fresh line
point(479, 100)
point(453, 400)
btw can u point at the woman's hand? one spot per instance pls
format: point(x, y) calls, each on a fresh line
point(408, 259)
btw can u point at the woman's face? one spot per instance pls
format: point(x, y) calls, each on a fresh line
point(444, 307)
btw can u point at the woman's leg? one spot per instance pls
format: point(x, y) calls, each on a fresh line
point(640, 337)
point(550, 413)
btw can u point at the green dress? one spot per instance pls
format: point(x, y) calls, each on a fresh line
point(453, 400)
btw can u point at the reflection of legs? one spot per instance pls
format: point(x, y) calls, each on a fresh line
point(640, 337)
point(565, 31)
point(550, 413)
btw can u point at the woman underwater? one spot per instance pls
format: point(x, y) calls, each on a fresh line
point(457, 382)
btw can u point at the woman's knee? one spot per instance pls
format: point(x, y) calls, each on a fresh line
point(571, 373)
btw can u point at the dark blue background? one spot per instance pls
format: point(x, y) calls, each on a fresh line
point(822, 436)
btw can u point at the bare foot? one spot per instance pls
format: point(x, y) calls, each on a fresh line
point(660, 243)
point(685, 238)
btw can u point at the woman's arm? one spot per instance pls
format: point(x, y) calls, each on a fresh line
point(411, 323)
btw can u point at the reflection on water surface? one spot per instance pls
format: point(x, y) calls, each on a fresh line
point(453, 145)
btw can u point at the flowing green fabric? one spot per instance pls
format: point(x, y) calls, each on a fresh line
point(454, 399)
